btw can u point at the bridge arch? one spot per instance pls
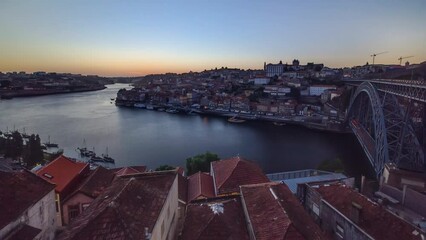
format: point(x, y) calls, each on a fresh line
point(384, 130)
point(366, 94)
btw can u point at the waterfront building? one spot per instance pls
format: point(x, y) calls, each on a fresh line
point(346, 214)
point(218, 219)
point(230, 174)
point(136, 206)
point(200, 186)
point(273, 212)
point(396, 177)
point(122, 171)
point(293, 178)
point(66, 174)
point(94, 184)
point(27, 206)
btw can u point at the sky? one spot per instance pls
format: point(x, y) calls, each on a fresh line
point(135, 38)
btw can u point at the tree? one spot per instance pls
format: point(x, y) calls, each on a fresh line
point(33, 152)
point(14, 145)
point(200, 162)
point(164, 168)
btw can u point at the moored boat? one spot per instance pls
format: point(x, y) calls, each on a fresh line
point(139, 105)
point(234, 119)
point(172, 110)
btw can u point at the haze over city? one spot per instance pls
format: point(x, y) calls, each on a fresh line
point(112, 38)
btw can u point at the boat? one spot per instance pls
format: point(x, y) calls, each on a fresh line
point(279, 123)
point(139, 105)
point(161, 109)
point(193, 113)
point(51, 145)
point(112, 99)
point(107, 158)
point(171, 110)
point(149, 107)
point(234, 119)
point(96, 159)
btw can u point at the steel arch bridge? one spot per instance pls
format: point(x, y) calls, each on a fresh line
point(384, 128)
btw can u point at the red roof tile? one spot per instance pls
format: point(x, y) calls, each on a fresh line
point(97, 181)
point(373, 219)
point(202, 222)
point(129, 170)
point(275, 213)
point(19, 191)
point(62, 171)
point(123, 210)
point(231, 173)
point(200, 185)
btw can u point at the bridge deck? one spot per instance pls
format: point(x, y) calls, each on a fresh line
point(366, 141)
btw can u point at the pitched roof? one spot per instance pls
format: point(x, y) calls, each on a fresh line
point(97, 181)
point(19, 191)
point(123, 210)
point(373, 219)
point(217, 219)
point(231, 173)
point(129, 170)
point(25, 232)
point(62, 171)
point(200, 185)
point(275, 213)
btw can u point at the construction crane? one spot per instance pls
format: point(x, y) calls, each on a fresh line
point(400, 59)
point(375, 54)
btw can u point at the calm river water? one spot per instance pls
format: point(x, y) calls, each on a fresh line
point(142, 137)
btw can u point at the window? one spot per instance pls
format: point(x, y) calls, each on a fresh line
point(84, 206)
point(339, 230)
point(73, 211)
point(57, 202)
point(315, 209)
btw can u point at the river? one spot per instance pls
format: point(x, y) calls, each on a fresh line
point(143, 137)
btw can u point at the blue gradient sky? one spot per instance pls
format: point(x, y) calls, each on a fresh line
point(140, 37)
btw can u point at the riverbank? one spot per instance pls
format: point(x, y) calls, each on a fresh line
point(9, 94)
point(314, 123)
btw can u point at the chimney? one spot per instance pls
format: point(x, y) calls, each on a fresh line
point(355, 212)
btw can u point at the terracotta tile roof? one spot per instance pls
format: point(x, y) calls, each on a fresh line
point(63, 171)
point(180, 171)
point(202, 222)
point(25, 232)
point(129, 170)
point(19, 191)
point(97, 181)
point(275, 213)
point(200, 185)
point(373, 219)
point(123, 210)
point(231, 173)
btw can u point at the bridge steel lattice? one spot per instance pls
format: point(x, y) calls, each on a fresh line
point(384, 128)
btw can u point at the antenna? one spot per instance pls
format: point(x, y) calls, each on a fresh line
point(375, 54)
point(400, 59)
